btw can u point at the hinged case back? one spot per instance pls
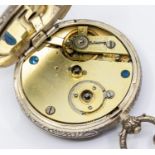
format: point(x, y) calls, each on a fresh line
point(19, 26)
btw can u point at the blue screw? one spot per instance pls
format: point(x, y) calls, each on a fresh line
point(125, 73)
point(34, 60)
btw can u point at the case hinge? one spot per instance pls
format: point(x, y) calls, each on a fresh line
point(39, 39)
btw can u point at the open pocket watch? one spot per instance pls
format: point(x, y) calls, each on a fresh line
point(74, 78)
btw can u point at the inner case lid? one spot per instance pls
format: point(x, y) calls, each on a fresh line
point(20, 24)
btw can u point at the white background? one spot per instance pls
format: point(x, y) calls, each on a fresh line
point(138, 24)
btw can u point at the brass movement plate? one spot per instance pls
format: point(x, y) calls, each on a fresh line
point(80, 80)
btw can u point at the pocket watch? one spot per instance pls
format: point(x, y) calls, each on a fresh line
point(74, 79)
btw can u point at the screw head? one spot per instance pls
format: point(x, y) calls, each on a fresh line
point(110, 44)
point(80, 42)
point(110, 94)
point(50, 110)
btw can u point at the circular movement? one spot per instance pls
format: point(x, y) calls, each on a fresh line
point(80, 80)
